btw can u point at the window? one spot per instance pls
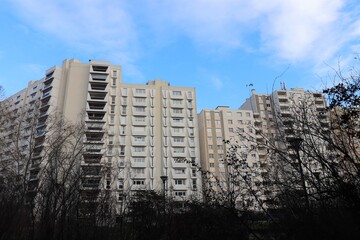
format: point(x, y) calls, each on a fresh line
point(140, 109)
point(218, 130)
point(241, 130)
point(180, 193)
point(212, 164)
point(177, 110)
point(240, 122)
point(179, 181)
point(139, 182)
point(138, 170)
point(209, 139)
point(139, 149)
point(217, 122)
point(194, 185)
point(123, 110)
point(211, 155)
point(140, 100)
point(139, 139)
point(178, 139)
point(121, 183)
point(140, 91)
point(110, 151)
point(177, 101)
point(193, 172)
point(179, 150)
point(208, 122)
point(123, 100)
point(178, 120)
point(112, 99)
point(239, 114)
point(228, 114)
point(231, 130)
point(230, 122)
point(221, 156)
point(207, 114)
point(179, 170)
point(114, 82)
point(191, 132)
point(219, 147)
point(253, 155)
point(178, 130)
point(121, 162)
point(111, 139)
point(176, 93)
point(139, 160)
point(112, 109)
point(211, 147)
point(123, 91)
point(248, 114)
point(139, 119)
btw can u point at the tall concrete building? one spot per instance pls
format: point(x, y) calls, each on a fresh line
point(228, 150)
point(136, 136)
point(278, 117)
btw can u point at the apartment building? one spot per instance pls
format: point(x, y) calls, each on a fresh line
point(228, 150)
point(137, 136)
point(278, 118)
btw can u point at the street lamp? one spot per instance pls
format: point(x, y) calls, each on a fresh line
point(164, 179)
point(296, 144)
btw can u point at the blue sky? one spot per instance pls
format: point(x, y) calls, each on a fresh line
point(216, 46)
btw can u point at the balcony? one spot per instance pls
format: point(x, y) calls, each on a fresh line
point(96, 106)
point(92, 159)
point(97, 96)
point(45, 104)
point(91, 183)
point(94, 126)
point(91, 170)
point(95, 116)
point(46, 95)
point(41, 124)
point(98, 87)
point(99, 68)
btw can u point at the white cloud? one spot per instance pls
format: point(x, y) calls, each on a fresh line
point(98, 27)
point(291, 30)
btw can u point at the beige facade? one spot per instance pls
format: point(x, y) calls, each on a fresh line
point(135, 133)
point(220, 131)
point(278, 118)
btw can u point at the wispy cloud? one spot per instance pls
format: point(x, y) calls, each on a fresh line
point(290, 30)
point(94, 26)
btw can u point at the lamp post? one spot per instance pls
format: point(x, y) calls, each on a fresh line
point(296, 144)
point(164, 179)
